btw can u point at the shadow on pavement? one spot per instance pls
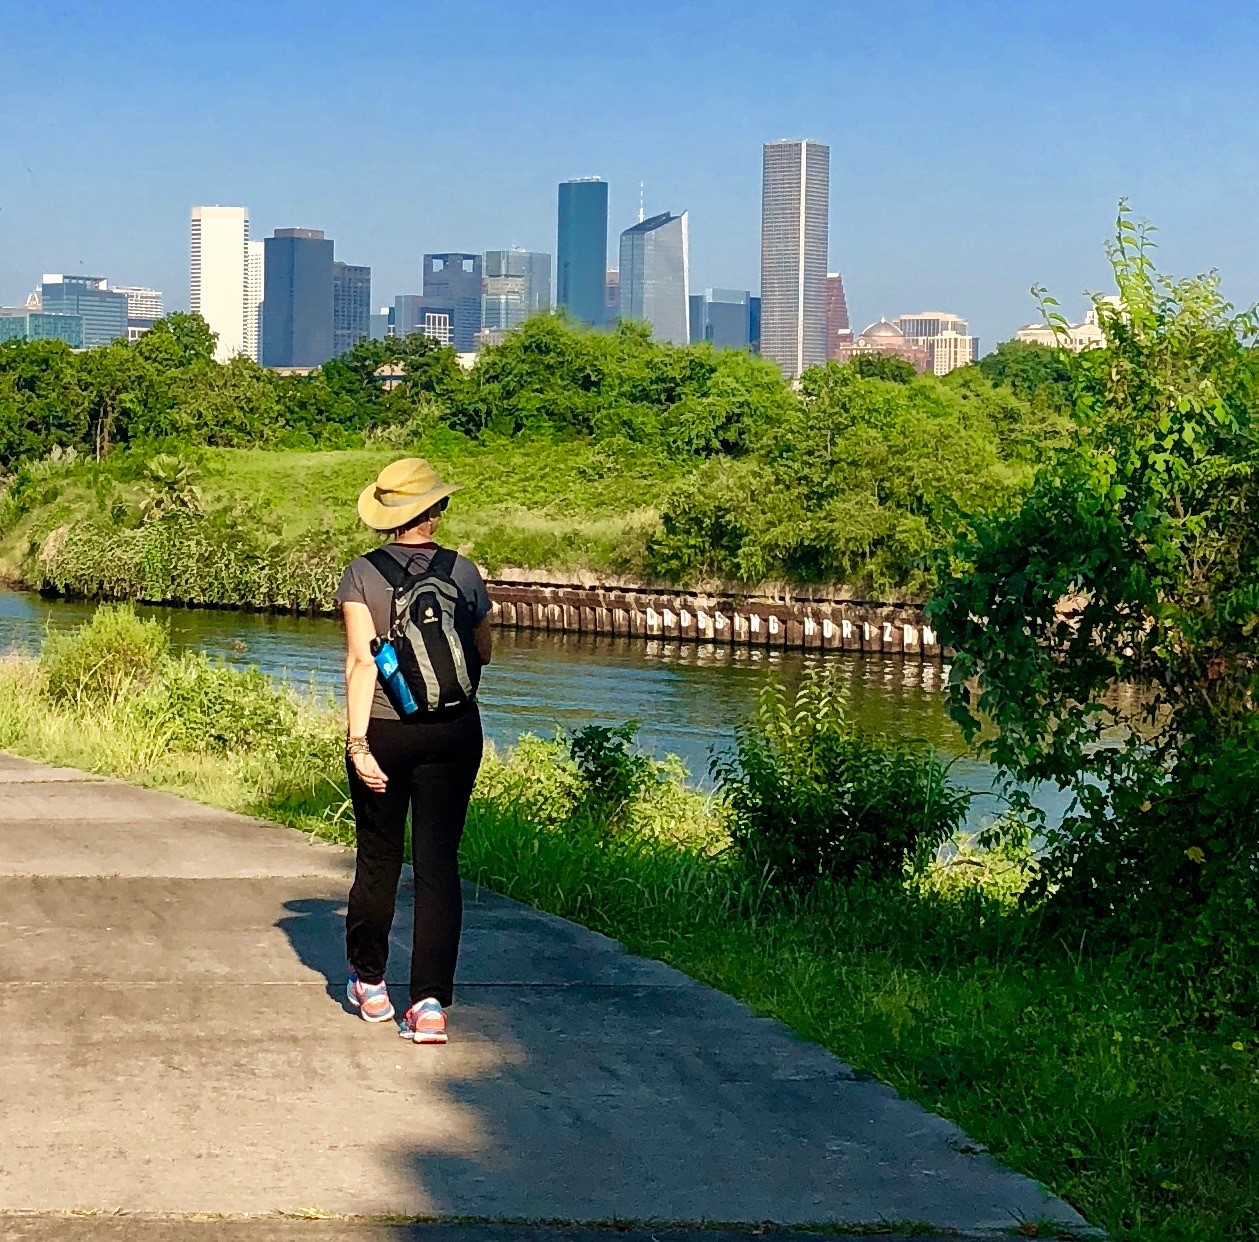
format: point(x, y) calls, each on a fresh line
point(127, 1229)
point(315, 927)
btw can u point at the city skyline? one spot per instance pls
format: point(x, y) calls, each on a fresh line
point(1021, 164)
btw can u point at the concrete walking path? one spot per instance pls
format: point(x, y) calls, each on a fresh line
point(175, 1042)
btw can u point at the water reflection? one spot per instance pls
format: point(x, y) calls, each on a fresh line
point(686, 696)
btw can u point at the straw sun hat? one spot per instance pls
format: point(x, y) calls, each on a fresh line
point(403, 490)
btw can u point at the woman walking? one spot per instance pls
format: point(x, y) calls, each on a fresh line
point(417, 635)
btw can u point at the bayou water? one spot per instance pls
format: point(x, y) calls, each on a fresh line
point(687, 697)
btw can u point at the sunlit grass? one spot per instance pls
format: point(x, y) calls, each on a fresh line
point(529, 503)
point(1082, 1070)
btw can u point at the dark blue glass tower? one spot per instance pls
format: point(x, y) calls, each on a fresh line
point(297, 299)
point(582, 249)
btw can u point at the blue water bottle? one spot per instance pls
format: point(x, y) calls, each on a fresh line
point(395, 684)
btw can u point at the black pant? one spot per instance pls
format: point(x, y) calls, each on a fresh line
point(431, 766)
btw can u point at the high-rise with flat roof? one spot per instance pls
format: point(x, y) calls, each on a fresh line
point(142, 303)
point(255, 289)
point(945, 337)
point(417, 315)
point(297, 299)
point(795, 207)
point(219, 272)
point(723, 317)
point(581, 252)
point(102, 309)
point(656, 276)
point(515, 284)
point(454, 281)
point(838, 327)
point(144, 308)
point(351, 306)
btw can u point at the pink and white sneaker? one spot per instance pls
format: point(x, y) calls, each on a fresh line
point(424, 1022)
point(370, 999)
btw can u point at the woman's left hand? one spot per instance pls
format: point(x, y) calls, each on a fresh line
point(369, 771)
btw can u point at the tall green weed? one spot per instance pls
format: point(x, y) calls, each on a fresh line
point(813, 796)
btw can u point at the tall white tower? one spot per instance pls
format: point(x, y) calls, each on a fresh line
point(220, 278)
point(795, 210)
point(255, 273)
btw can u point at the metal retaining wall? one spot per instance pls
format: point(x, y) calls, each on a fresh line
point(642, 612)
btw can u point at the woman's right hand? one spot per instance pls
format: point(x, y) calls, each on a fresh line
point(369, 771)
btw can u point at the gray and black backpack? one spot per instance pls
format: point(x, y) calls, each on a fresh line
point(431, 624)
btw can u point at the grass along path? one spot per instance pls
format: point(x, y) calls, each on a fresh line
point(1085, 1071)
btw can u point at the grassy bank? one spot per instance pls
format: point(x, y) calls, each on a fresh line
point(1085, 1070)
point(284, 521)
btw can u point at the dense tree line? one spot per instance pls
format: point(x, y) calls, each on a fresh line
point(855, 476)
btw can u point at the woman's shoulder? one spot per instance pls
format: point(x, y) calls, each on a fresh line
point(467, 565)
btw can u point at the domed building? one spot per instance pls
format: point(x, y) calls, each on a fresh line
point(884, 337)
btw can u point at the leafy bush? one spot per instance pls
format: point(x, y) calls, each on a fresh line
point(188, 558)
point(213, 707)
point(858, 482)
point(998, 864)
point(1107, 630)
point(112, 655)
point(812, 796)
point(537, 781)
point(612, 770)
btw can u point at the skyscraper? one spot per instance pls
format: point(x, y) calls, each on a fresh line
point(722, 317)
point(945, 337)
point(297, 299)
point(102, 309)
point(454, 281)
point(255, 287)
point(795, 206)
point(656, 276)
point(515, 284)
point(142, 303)
point(351, 306)
point(416, 315)
point(582, 249)
point(837, 326)
point(219, 276)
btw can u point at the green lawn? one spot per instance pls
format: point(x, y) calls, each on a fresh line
point(529, 503)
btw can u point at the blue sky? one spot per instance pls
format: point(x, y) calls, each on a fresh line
point(976, 147)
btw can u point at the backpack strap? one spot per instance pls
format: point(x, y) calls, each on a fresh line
point(443, 564)
point(397, 575)
point(388, 567)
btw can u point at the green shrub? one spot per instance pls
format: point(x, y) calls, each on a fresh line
point(112, 655)
point(998, 863)
point(536, 780)
point(613, 771)
point(211, 706)
point(813, 797)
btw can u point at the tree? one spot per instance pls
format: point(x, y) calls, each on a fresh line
point(1030, 369)
point(1107, 632)
point(116, 382)
point(884, 367)
point(177, 341)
